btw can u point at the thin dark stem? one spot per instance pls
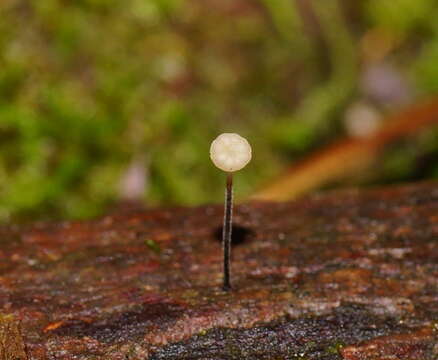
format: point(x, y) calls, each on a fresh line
point(227, 230)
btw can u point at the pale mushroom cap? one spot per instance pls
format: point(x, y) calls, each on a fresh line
point(230, 152)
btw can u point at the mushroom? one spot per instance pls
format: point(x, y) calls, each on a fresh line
point(229, 152)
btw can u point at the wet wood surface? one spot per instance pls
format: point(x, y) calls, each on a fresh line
point(344, 275)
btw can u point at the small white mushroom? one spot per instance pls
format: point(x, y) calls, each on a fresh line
point(230, 152)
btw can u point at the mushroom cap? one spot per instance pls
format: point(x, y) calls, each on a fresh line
point(230, 152)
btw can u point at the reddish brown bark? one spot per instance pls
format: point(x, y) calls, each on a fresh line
point(347, 275)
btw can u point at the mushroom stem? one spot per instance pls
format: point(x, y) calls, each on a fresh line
point(227, 230)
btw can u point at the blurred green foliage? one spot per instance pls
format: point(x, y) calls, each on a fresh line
point(86, 86)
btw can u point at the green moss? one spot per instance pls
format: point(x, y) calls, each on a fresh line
point(90, 85)
point(153, 245)
point(335, 348)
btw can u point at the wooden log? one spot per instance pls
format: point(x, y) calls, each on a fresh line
point(344, 275)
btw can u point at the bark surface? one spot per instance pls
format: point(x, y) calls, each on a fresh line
point(345, 275)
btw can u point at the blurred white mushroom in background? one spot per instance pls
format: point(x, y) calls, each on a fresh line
point(362, 120)
point(133, 183)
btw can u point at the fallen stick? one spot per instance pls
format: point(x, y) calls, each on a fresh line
point(347, 156)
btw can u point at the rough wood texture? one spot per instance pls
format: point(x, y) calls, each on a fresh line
point(346, 275)
point(11, 342)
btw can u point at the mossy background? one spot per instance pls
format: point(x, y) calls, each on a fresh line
point(90, 87)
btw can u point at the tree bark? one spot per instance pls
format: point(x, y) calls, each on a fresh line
point(343, 275)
